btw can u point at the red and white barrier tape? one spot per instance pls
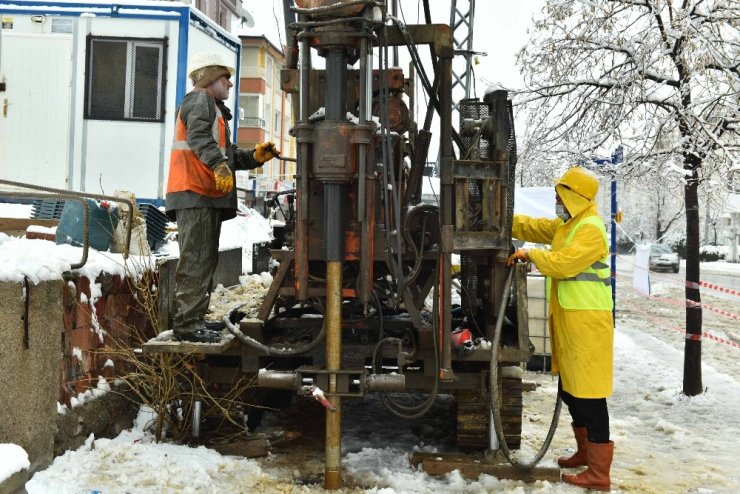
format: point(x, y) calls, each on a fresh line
point(691, 284)
point(688, 336)
point(689, 303)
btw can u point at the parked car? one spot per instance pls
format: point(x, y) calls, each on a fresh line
point(662, 257)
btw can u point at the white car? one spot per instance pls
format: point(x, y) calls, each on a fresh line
point(661, 257)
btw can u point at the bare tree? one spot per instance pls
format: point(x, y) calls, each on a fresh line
point(660, 77)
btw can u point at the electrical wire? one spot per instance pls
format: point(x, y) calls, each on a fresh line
point(389, 181)
point(390, 168)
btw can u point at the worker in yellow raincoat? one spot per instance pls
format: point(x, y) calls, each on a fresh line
point(580, 317)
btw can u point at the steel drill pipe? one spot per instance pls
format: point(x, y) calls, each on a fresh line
point(333, 462)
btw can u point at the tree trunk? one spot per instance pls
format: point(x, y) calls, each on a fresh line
point(692, 383)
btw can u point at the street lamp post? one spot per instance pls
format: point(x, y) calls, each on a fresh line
point(616, 158)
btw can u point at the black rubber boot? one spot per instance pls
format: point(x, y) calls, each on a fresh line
point(197, 333)
point(214, 325)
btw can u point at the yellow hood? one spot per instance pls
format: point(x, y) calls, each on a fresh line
point(577, 188)
point(574, 202)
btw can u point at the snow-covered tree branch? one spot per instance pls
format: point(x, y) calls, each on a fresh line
point(652, 75)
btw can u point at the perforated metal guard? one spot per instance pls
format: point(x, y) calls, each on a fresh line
point(511, 183)
point(475, 110)
point(479, 111)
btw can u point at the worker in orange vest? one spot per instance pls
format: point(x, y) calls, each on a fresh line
point(200, 189)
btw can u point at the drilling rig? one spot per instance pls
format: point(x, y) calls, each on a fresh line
point(362, 299)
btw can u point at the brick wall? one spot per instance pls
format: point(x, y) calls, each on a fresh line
point(120, 317)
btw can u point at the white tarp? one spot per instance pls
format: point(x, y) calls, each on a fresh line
point(535, 201)
point(641, 276)
point(532, 201)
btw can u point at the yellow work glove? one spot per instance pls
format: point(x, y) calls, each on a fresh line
point(224, 178)
point(265, 151)
point(520, 255)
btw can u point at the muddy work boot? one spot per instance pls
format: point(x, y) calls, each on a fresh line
point(596, 476)
point(196, 332)
point(578, 459)
point(214, 325)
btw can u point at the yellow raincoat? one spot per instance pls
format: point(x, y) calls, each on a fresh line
point(582, 340)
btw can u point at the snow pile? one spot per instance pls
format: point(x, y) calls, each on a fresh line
point(249, 227)
point(134, 462)
point(13, 459)
point(43, 260)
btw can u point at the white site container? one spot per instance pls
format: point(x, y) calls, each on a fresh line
point(537, 311)
point(91, 89)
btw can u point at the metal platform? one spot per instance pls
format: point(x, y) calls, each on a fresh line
point(471, 468)
point(165, 342)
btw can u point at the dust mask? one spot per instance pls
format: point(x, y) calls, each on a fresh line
point(561, 212)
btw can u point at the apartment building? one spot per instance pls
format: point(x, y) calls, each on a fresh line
point(222, 12)
point(264, 114)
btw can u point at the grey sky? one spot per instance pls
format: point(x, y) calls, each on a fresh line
point(500, 30)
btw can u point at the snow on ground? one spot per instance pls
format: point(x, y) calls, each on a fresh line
point(665, 442)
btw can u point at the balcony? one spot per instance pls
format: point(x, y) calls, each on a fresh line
point(252, 122)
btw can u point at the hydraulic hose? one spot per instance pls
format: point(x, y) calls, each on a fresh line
point(495, 398)
point(414, 411)
point(270, 350)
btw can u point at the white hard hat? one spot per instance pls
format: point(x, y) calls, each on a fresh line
point(206, 59)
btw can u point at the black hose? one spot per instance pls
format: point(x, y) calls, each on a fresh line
point(402, 411)
point(428, 87)
point(270, 350)
point(494, 398)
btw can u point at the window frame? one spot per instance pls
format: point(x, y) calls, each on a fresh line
point(251, 121)
point(130, 77)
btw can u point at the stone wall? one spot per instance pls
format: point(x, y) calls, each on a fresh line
point(30, 351)
point(59, 354)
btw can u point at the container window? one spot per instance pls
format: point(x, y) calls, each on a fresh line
point(125, 79)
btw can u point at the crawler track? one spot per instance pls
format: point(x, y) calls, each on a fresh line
point(473, 416)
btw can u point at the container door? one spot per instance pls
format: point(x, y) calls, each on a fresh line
point(35, 108)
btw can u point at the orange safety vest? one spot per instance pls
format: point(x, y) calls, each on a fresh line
point(187, 172)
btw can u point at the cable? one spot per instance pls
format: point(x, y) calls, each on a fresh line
point(386, 171)
point(390, 169)
point(422, 73)
point(418, 250)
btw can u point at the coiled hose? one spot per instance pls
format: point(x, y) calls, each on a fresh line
point(495, 398)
